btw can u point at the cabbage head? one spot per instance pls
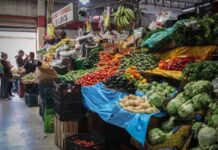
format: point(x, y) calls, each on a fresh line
point(201, 101)
point(213, 120)
point(185, 109)
point(157, 99)
point(157, 136)
point(206, 137)
point(168, 125)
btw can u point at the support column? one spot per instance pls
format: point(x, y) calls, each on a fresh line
point(41, 23)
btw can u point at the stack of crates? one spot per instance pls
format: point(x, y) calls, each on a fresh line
point(46, 97)
point(31, 95)
point(68, 101)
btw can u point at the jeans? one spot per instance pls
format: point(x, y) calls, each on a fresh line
point(4, 87)
point(15, 87)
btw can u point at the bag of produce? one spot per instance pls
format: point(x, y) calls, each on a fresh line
point(1, 69)
point(158, 40)
point(175, 138)
point(45, 75)
point(49, 121)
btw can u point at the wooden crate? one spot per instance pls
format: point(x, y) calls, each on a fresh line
point(64, 129)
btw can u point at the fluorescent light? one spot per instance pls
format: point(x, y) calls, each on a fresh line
point(84, 1)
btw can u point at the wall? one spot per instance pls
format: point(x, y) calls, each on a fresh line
point(11, 42)
point(18, 7)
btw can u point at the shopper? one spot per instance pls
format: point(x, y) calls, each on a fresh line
point(31, 63)
point(5, 77)
point(10, 80)
point(19, 59)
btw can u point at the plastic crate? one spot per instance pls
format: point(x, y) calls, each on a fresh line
point(71, 143)
point(69, 111)
point(31, 99)
point(31, 88)
point(45, 90)
point(67, 92)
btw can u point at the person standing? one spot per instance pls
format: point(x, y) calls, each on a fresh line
point(19, 59)
point(10, 80)
point(5, 77)
point(31, 64)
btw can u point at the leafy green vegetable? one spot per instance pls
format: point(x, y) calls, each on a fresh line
point(185, 109)
point(213, 120)
point(201, 101)
point(168, 125)
point(205, 70)
point(157, 136)
point(195, 31)
point(202, 86)
point(156, 99)
point(206, 137)
point(196, 128)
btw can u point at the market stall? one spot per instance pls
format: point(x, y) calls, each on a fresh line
point(127, 80)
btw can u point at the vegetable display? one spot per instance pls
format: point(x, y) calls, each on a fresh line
point(29, 77)
point(178, 63)
point(75, 75)
point(196, 96)
point(120, 83)
point(133, 75)
point(205, 70)
point(137, 104)
point(149, 89)
point(98, 76)
point(143, 61)
point(93, 58)
point(106, 59)
point(195, 31)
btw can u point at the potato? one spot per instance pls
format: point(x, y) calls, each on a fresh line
point(145, 105)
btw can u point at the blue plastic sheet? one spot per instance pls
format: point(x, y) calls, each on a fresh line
point(104, 102)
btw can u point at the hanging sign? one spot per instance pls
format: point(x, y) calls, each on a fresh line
point(62, 16)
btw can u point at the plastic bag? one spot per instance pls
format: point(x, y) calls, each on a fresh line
point(159, 40)
point(45, 75)
point(50, 31)
point(49, 121)
point(1, 69)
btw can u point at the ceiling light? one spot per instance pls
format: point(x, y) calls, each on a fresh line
point(84, 2)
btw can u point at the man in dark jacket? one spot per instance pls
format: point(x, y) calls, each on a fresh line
point(5, 77)
point(19, 59)
point(31, 64)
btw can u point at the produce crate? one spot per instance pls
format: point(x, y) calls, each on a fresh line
point(69, 111)
point(64, 129)
point(31, 99)
point(45, 90)
point(67, 92)
point(31, 88)
point(95, 143)
point(49, 121)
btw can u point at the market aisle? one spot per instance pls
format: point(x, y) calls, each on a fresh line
point(21, 127)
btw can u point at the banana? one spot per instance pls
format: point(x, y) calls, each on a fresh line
point(122, 10)
point(125, 21)
point(129, 14)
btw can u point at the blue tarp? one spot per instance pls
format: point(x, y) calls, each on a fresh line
point(104, 102)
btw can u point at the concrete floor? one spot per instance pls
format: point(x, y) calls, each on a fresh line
point(21, 127)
